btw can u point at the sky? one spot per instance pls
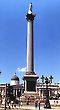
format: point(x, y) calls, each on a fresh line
point(13, 31)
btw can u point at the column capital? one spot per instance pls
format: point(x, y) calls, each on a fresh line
point(30, 17)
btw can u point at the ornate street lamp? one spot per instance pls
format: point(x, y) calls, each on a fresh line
point(51, 77)
point(47, 103)
point(42, 77)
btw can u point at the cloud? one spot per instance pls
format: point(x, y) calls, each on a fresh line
point(19, 69)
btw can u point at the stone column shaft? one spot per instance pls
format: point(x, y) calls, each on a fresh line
point(30, 53)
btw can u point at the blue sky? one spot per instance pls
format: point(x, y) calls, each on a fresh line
point(13, 28)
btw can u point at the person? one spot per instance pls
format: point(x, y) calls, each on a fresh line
point(9, 105)
point(12, 103)
point(54, 103)
point(28, 101)
point(21, 103)
point(36, 104)
point(57, 102)
point(39, 104)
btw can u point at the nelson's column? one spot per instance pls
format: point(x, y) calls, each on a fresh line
point(30, 77)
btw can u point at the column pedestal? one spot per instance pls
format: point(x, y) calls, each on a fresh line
point(30, 82)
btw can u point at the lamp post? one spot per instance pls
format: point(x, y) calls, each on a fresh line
point(5, 96)
point(47, 103)
point(51, 77)
point(42, 77)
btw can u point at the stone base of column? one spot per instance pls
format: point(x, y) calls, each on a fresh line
point(30, 79)
point(29, 94)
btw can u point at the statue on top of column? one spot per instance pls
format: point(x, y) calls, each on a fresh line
point(30, 8)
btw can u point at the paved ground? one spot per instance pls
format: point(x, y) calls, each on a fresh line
point(41, 108)
point(33, 108)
